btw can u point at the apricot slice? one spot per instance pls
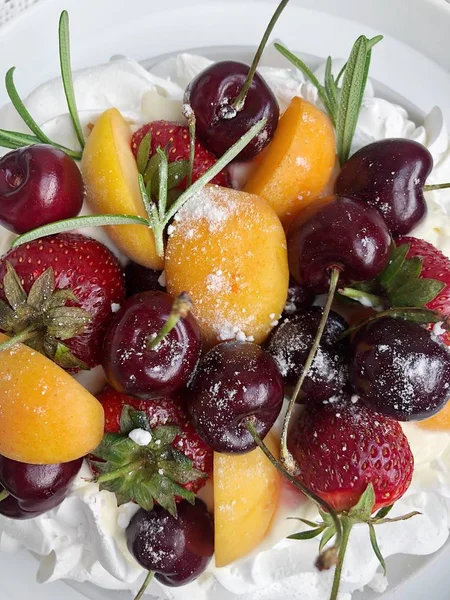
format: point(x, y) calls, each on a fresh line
point(46, 416)
point(246, 493)
point(227, 250)
point(110, 175)
point(439, 422)
point(298, 163)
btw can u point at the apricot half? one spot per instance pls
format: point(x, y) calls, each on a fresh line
point(227, 250)
point(110, 175)
point(298, 163)
point(439, 422)
point(46, 416)
point(246, 493)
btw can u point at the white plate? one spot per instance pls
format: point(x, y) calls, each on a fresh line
point(414, 60)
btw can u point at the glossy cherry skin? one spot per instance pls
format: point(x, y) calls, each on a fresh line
point(389, 175)
point(337, 232)
point(234, 381)
point(290, 344)
point(177, 550)
point(134, 369)
point(38, 185)
point(399, 370)
point(141, 279)
point(34, 489)
point(219, 126)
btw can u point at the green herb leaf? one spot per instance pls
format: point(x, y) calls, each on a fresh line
point(307, 535)
point(163, 173)
point(190, 116)
point(66, 74)
point(78, 223)
point(331, 88)
point(151, 169)
point(177, 171)
point(376, 548)
point(14, 140)
point(143, 152)
point(353, 86)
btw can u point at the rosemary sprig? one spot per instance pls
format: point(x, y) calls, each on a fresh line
point(13, 139)
point(66, 74)
point(343, 104)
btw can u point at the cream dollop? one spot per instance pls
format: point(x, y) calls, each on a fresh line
point(84, 538)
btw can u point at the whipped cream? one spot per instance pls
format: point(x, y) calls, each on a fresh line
point(84, 538)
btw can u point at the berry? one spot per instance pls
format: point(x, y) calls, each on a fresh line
point(38, 185)
point(341, 448)
point(219, 125)
point(399, 370)
point(34, 489)
point(176, 137)
point(177, 549)
point(337, 232)
point(141, 279)
point(436, 266)
point(291, 343)
point(161, 413)
point(299, 297)
point(389, 175)
point(132, 366)
point(92, 281)
point(233, 382)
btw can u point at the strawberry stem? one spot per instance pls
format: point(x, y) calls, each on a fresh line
point(20, 338)
point(437, 186)
point(180, 309)
point(346, 529)
point(286, 457)
point(250, 426)
point(4, 494)
point(238, 103)
point(145, 585)
point(120, 472)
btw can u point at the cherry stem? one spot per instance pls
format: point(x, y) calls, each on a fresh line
point(21, 337)
point(238, 103)
point(286, 457)
point(250, 426)
point(437, 186)
point(125, 470)
point(180, 309)
point(145, 585)
point(4, 494)
point(346, 529)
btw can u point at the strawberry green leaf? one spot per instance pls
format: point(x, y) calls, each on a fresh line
point(14, 292)
point(65, 322)
point(416, 293)
point(383, 512)
point(328, 535)
point(307, 535)
point(7, 321)
point(143, 152)
point(42, 289)
point(312, 524)
point(165, 435)
point(408, 272)
point(131, 418)
point(362, 511)
point(66, 359)
point(376, 548)
point(398, 257)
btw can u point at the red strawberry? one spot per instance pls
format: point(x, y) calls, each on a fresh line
point(161, 412)
point(67, 261)
point(166, 133)
point(435, 266)
point(342, 447)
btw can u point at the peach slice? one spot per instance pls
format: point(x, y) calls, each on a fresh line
point(46, 416)
point(111, 178)
point(246, 493)
point(298, 163)
point(227, 250)
point(439, 422)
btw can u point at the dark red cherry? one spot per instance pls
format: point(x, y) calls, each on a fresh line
point(219, 125)
point(131, 366)
point(299, 297)
point(389, 175)
point(399, 370)
point(290, 344)
point(234, 381)
point(141, 279)
point(337, 232)
point(177, 549)
point(34, 489)
point(38, 185)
